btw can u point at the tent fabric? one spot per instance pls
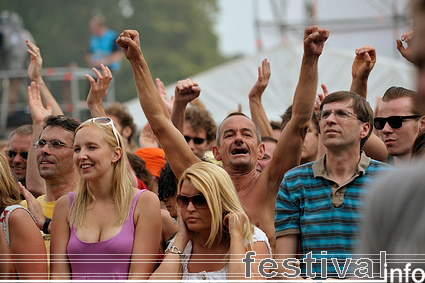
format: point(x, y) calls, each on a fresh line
point(225, 86)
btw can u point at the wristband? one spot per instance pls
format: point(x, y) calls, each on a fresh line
point(176, 250)
point(46, 225)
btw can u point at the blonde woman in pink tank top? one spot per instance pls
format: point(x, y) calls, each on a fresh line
point(107, 229)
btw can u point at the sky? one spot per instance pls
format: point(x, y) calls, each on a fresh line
point(235, 24)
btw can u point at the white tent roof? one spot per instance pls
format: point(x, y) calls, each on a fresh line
point(227, 85)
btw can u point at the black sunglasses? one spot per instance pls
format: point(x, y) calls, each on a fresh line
point(11, 153)
point(195, 140)
point(395, 122)
point(197, 200)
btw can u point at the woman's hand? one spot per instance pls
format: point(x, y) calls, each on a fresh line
point(235, 223)
point(184, 235)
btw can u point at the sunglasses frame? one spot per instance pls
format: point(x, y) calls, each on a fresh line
point(392, 121)
point(195, 140)
point(104, 121)
point(9, 151)
point(191, 199)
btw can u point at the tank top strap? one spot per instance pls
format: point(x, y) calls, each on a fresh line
point(71, 196)
point(133, 205)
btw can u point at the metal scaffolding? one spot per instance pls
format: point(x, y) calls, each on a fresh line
point(71, 76)
point(390, 16)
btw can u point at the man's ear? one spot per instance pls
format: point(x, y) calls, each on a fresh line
point(216, 153)
point(421, 123)
point(117, 154)
point(126, 132)
point(261, 151)
point(365, 130)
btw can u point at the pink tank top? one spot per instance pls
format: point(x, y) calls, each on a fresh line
point(105, 260)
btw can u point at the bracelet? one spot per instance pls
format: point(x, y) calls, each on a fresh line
point(46, 225)
point(176, 250)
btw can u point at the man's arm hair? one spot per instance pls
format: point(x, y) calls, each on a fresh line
point(172, 141)
point(289, 148)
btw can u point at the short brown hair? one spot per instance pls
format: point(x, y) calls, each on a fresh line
point(396, 92)
point(24, 130)
point(360, 106)
point(200, 118)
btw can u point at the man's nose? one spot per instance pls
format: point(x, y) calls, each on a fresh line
point(18, 158)
point(387, 128)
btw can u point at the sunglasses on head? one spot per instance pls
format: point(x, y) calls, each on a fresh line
point(105, 121)
point(395, 122)
point(197, 200)
point(195, 140)
point(11, 153)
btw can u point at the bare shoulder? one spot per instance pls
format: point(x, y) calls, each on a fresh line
point(20, 215)
point(147, 201)
point(62, 202)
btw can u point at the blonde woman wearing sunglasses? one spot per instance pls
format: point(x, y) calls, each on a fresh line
point(214, 231)
point(105, 230)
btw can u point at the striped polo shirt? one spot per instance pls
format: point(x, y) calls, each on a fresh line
point(325, 214)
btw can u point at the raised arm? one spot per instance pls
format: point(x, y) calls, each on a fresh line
point(35, 74)
point(258, 114)
point(171, 267)
point(35, 184)
point(98, 90)
point(288, 150)
point(320, 96)
point(362, 66)
point(237, 250)
point(185, 91)
point(168, 102)
point(172, 141)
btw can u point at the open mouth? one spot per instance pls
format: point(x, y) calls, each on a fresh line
point(85, 166)
point(18, 169)
point(237, 151)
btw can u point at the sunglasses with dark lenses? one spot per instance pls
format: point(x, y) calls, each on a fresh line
point(195, 140)
point(197, 200)
point(395, 122)
point(11, 153)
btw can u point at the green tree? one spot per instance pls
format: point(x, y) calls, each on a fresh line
point(177, 37)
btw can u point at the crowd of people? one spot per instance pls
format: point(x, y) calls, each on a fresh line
point(194, 198)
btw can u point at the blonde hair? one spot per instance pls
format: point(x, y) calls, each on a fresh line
point(121, 187)
point(218, 189)
point(9, 191)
